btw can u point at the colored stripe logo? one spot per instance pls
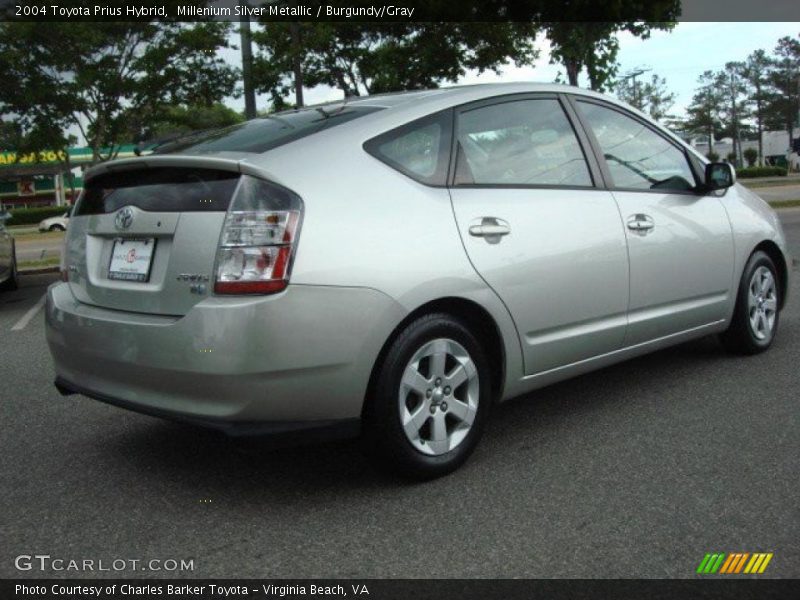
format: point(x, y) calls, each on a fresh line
point(734, 563)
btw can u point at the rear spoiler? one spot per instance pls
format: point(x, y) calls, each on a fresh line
point(176, 160)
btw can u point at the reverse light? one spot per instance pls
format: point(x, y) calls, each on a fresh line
point(258, 240)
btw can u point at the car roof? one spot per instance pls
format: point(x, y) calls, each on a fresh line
point(398, 108)
point(457, 94)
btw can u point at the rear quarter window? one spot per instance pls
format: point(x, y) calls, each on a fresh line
point(420, 149)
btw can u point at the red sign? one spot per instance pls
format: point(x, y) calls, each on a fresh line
point(26, 188)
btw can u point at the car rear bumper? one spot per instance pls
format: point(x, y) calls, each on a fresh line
point(299, 359)
point(315, 430)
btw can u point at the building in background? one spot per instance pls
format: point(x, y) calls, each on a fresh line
point(48, 178)
point(777, 148)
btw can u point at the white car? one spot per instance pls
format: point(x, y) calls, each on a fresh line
point(55, 223)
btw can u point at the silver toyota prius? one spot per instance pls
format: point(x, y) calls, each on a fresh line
point(392, 266)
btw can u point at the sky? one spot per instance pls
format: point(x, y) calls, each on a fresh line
point(680, 56)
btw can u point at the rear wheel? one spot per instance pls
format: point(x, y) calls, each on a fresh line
point(431, 399)
point(756, 316)
point(13, 281)
point(57, 228)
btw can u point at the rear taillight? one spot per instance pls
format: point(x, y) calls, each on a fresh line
point(258, 240)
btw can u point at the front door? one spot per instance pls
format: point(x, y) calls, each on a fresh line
point(679, 241)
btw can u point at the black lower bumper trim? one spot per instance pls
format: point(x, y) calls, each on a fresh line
point(290, 431)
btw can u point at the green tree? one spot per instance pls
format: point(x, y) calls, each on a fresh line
point(751, 155)
point(94, 76)
point(372, 58)
point(594, 45)
point(703, 114)
point(756, 74)
point(785, 84)
point(174, 120)
point(652, 97)
point(733, 112)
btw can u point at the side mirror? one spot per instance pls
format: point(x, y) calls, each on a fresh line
point(719, 176)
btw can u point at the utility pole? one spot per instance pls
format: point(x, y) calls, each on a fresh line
point(633, 75)
point(737, 144)
point(247, 64)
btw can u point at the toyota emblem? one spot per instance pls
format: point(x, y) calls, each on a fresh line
point(124, 218)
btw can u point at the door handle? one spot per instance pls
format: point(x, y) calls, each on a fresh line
point(641, 223)
point(490, 228)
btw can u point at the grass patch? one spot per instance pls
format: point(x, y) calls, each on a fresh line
point(35, 236)
point(53, 261)
point(755, 184)
point(784, 203)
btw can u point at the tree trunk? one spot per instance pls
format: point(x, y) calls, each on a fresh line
point(760, 126)
point(247, 67)
point(297, 65)
point(573, 70)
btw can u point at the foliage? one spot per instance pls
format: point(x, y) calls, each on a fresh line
point(594, 45)
point(32, 216)
point(784, 78)
point(712, 156)
point(94, 76)
point(759, 94)
point(761, 172)
point(169, 121)
point(750, 155)
point(703, 114)
point(374, 58)
point(652, 97)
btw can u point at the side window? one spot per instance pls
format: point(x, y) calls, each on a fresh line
point(522, 142)
point(420, 149)
point(637, 157)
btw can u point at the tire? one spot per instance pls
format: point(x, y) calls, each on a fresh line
point(756, 316)
point(56, 228)
point(12, 282)
point(412, 381)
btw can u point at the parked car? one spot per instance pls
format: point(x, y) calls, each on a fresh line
point(55, 223)
point(394, 266)
point(8, 255)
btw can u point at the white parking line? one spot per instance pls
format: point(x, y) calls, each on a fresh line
point(26, 318)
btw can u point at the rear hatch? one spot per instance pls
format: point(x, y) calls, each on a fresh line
point(143, 238)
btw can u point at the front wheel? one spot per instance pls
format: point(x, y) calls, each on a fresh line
point(756, 316)
point(431, 399)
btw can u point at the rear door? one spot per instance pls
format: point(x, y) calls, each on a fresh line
point(680, 241)
point(537, 228)
point(145, 239)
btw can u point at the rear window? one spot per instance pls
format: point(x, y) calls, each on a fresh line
point(161, 189)
point(266, 133)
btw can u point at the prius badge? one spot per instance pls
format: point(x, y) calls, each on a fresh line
point(124, 218)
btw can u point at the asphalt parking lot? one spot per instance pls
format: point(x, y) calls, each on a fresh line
point(634, 471)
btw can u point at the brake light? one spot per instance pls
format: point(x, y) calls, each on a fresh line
point(258, 239)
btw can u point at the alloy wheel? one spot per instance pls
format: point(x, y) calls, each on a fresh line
point(762, 303)
point(438, 398)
